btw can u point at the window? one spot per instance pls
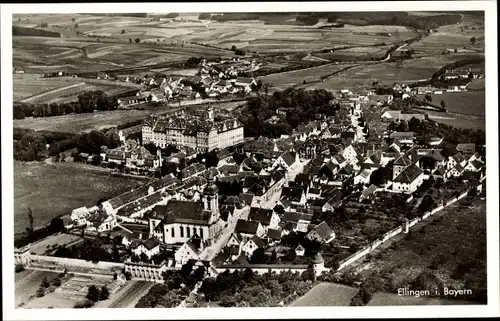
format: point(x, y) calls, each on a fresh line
point(173, 233)
point(201, 232)
point(188, 231)
point(194, 231)
point(182, 231)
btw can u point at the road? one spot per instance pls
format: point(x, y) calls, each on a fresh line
point(215, 248)
point(131, 293)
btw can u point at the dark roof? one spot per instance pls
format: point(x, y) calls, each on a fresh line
point(477, 164)
point(247, 198)
point(151, 243)
point(324, 230)
point(258, 241)
point(247, 227)
point(193, 169)
point(292, 193)
point(181, 212)
point(294, 217)
point(260, 215)
point(369, 191)
point(402, 161)
point(274, 234)
point(408, 175)
point(289, 158)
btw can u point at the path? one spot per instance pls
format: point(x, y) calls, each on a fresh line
point(128, 296)
point(216, 247)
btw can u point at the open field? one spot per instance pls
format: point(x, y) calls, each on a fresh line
point(389, 72)
point(88, 121)
point(53, 190)
point(290, 78)
point(327, 294)
point(452, 37)
point(467, 103)
point(27, 283)
point(59, 239)
point(452, 247)
point(458, 120)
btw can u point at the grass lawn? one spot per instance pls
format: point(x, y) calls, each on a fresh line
point(86, 122)
point(452, 247)
point(27, 283)
point(53, 190)
point(327, 294)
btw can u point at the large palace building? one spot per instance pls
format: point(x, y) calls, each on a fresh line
point(201, 134)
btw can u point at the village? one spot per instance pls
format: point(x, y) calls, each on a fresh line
point(309, 200)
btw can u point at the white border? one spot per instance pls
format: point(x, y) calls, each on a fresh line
point(492, 309)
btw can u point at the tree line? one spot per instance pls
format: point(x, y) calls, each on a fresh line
point(87, 103)
point(32, 32)
point(301, 105)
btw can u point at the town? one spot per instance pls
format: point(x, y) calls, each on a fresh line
point(213, 174)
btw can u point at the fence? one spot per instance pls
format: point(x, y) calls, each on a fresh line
point(67, 262)
point(387, 236)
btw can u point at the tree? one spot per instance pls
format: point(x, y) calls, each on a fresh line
point(73, 19)
point(93, 293)
point(428, 98)
point(137, 40)
point(56, 225)
point(473, 40)
point(45, 283)
point(151, 147)
point(129, 40)
point(279, 209)
point(104, 294)
point(443, 104)
point(380, 176)
point(30, 216)
point(123, 31)
point(76, 25)
point(233, 48)
point(204, 16)
point(258, 256)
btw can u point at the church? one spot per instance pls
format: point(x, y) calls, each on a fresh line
point(178, 220)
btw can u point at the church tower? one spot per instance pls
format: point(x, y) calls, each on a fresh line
point(211, 200)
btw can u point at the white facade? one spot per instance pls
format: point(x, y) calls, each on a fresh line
point(408, 188)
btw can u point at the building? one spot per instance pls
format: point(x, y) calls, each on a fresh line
point(149, 247)
point(200, 134)
point(190, 250)
point(322, 233)
point(178, 221)
point(124, 102)
point(396, 115)
point(249, 228)
point(253, 244)
point(408, 180)
point(267, 218)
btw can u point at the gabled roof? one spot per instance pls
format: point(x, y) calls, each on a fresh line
point(369, 191)
point(365, 173)
point(182, 212)
point(247, 227)
point(324, 231)
point(292, 193)
point(151, 243)
point(408, 175)
point(258, 241)
point(459, 158)
point(247, 198)
point(402, 135)
point(274, 234)
point(402, 161)
point(288, 158)
point(260, 215)
point(477, 164)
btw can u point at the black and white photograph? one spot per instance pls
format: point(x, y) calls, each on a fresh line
point(291, 155)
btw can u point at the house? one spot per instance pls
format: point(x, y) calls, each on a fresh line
point(313, 193)
point(149, 247)
point(322, 233)
point(346, 172)
point(363, 177)
point(368, 193)
point(405, 138)
point(266, 217)
point(130, 101)
point(274, 235)
point(249, 228)
point(350, 154)
point(253, 244)
point(80, 215)
point(397, 115)
point(333, 202)
point(300, 250)
point(296, 221)
point(474, 166)
point(296, 195)
point(245, 83)
point(408, 180)
point(379, 100)
point(435, 141)
point(400, 164)
point(101, 222)
point(466, 148)
point(455, 171)
point(190, 250)
point(289, 160)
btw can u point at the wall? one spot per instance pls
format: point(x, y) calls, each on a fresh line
point(263, 269)
point(387, 236)
point(62, 261)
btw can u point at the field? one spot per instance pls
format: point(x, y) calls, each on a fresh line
point(33, 88)
point(389, 72)
point(60, 239)
point(327, 294)
point(86, 122)
point(54, 190)
point(467, 103)
point(290, 78)
point(452, 37)
point(452, 247)
point(27, 283)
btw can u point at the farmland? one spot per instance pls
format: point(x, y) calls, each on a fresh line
point(53, 190)
point(327, 294)
point(33, 88)
point(452, 247)
point(85, 122)
point(468, 103)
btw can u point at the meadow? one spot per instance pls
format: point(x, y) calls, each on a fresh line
point(54, 190)
point(467, 103)
point(452, 247)
point(86, 122)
